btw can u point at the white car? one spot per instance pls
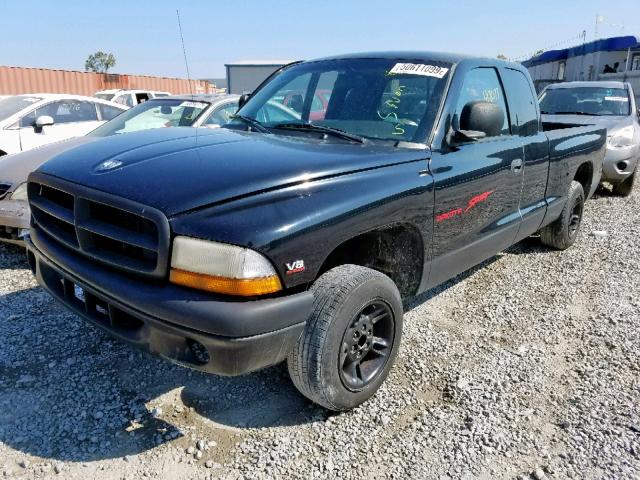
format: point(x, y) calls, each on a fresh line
point(33, 120)
point(128, 97)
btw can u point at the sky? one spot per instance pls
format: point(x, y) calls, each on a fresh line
point(145, 40)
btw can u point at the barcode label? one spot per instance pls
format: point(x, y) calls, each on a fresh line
point(419, 69)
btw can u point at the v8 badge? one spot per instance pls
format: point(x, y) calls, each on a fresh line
point(295, 267)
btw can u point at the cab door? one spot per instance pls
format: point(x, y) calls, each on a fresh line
point(523, 105)
point(477, 186)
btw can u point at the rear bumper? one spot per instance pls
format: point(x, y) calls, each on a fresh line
point(620, 163)
point(191, 328)
point(14, 216)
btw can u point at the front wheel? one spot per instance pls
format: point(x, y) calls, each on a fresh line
point(351, 339)
point(562, 233)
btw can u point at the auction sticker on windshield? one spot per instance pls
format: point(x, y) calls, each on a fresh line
point(419, 69)
point(616, 99)
point(193, 104)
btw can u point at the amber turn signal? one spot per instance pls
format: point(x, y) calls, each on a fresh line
point(245, 287)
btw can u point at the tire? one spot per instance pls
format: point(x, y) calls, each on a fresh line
point(356, 320)
point(562, 233)
point(625, 188)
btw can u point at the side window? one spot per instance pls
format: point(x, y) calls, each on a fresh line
point(522, 101)
point(69, 111)
point(107, 112)
point(29, 119)
point(291, 100)
point(222, 115)
point(316, 104)
point(320, 101)
point(49, 109)
point(124, 99)
point(63, 111)
point(482, 84)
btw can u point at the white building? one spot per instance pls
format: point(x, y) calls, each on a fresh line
point(244, 76)
point(588, 62)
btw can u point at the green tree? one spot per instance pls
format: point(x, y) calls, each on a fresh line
point(502, 57)
point(99, 62)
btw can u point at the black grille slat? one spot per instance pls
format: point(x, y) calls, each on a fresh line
point(113, 257)
point(53, 209)
point(111, 230)
point(117, 233)
point(55, 228)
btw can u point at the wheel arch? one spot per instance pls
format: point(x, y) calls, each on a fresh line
point(396, 250)
point(584, 176)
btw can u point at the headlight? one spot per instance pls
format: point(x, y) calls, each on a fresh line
point(20, 193)
point(622, 138)
point(221, 268)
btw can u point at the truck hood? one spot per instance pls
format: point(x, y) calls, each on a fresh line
point(182, 169)
point(14, 169)
point(611, 123)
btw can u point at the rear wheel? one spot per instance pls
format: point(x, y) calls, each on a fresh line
point(562, 233)
point(351, 339)
point(625, 188)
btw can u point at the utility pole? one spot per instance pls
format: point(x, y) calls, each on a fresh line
point(599, 20)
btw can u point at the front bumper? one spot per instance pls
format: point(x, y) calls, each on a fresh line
point(620, 163)
point(195, 329)
point(14, 217)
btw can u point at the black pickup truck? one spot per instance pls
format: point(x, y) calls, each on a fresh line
point(342, 186)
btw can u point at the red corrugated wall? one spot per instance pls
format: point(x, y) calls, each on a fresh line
point(16, 80)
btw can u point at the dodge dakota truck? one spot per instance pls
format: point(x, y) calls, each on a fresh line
point(282, 238)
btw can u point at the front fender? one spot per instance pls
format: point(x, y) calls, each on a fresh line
point(306, 222)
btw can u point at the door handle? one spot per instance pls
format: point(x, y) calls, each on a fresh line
point(516, 165)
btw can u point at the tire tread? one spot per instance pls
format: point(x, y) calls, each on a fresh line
point(555, 234)
point(304, 361)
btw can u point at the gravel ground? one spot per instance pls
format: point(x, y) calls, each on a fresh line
point(526, 367)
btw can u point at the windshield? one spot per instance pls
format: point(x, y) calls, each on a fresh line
point(371, 98)
point(11, 105)
point(156, 113)
point(586, 101)
point(105, 96)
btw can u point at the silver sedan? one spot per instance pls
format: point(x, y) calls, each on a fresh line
point(608, 104)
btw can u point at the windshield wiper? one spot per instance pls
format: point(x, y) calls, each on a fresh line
point(310, 127)
point(252, 122)
point(575, 113)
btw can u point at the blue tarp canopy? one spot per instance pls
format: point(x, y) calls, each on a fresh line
point(605, 45)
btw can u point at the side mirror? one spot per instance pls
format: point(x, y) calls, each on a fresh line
point(42, 121)
point(243, 99)
point(479, 120)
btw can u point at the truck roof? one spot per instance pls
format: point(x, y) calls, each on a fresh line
point(408, 55)
point(587, 84)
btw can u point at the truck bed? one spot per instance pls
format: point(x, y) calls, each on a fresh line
point(569, 146)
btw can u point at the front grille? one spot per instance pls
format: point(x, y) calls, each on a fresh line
point(4, 188)
point(108, 229)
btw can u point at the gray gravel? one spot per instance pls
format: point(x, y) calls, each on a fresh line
point(526, 367)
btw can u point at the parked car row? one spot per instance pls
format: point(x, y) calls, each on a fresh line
point(128, 97)
point(208, 111)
